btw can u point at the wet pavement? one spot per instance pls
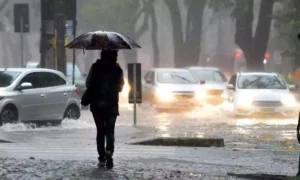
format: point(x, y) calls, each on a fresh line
point(265, 146)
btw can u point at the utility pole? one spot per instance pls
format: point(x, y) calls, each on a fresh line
point(60, 22)
point(55, 14)
point(47, 34)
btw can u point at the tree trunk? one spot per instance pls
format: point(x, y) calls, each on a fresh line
point(177, 31)
point(254, 48)
point(192, 45)
point(187, 50)
point(154, 36)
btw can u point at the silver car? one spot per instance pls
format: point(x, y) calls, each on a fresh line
point(213, 83)
point(168, 88)
point(36, 95)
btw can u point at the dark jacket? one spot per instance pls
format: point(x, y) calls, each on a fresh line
point(105, 81)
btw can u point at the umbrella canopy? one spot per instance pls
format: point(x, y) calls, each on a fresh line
point(102, 40)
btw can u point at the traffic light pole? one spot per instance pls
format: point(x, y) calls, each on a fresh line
point(22, 40)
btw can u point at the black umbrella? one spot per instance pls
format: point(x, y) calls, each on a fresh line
point(102, 40)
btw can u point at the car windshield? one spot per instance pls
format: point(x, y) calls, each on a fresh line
point(70, 70)
point(261, 82)
point(8, 77)
point(209, 75)
point(175, 77)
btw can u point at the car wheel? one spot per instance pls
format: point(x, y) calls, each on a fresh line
point(9, 114)
point(72, 112)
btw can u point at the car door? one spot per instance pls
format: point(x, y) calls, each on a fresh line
point(31, 101)
point(231, 92)
point(57, 94)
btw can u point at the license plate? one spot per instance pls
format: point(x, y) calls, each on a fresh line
point(268, 110)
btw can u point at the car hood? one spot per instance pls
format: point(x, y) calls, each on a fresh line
point(264, 94)
point(214, 86)
point(180, 87)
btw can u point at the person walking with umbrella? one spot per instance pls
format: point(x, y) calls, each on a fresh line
point(105, 80)
point(104, 83)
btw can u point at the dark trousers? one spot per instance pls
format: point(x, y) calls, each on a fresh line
point(105, 124)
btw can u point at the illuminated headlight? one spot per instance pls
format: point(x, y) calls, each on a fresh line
point(201, 94)
point(288, 100)
point(245, 100)
point(126, 89)
point(224, 95)
point(164, 94)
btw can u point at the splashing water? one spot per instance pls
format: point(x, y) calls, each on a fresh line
point(66, 124)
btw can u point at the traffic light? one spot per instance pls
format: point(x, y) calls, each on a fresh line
point(21, 18)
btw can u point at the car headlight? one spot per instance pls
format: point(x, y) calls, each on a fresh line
point(201, 94)
point(163, 94)
point(245, 100)
point(288, 100)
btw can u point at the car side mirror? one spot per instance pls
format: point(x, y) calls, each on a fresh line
point(292, 87)
point(230, 87)
point(202, 82)
point(25, 85)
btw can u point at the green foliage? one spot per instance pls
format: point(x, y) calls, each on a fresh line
point(287, 23)
point(112, 15)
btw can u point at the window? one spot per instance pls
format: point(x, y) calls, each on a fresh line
point(219, 77)
point(52, 79)
point(43, 79)
point(261, 82)
point(34, 78)
point(175, 77)
point(8, 77)
point(209, 75)
point(77, 73)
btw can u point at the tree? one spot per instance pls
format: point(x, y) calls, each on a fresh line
point(2, 6)
point(187, 45)
point(121, 16)
point(253, 45)
point(288, 24)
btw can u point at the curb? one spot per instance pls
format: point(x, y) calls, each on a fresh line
point(186, 142)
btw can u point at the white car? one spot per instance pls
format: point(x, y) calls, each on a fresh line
point(260, 94)
point(169, 88)
point(213, 82)
point(36, 95)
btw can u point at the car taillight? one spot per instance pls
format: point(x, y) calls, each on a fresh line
point(78, 92)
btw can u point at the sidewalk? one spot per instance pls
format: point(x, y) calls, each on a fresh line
point(142, 162)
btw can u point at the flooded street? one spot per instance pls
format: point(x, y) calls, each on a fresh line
point(208, 122)
point(251, 146)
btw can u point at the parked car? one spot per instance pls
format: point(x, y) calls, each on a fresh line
point(169, 88)
point(213, 82)
point(36, 95)
point(79, 76)
point(260, 93)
